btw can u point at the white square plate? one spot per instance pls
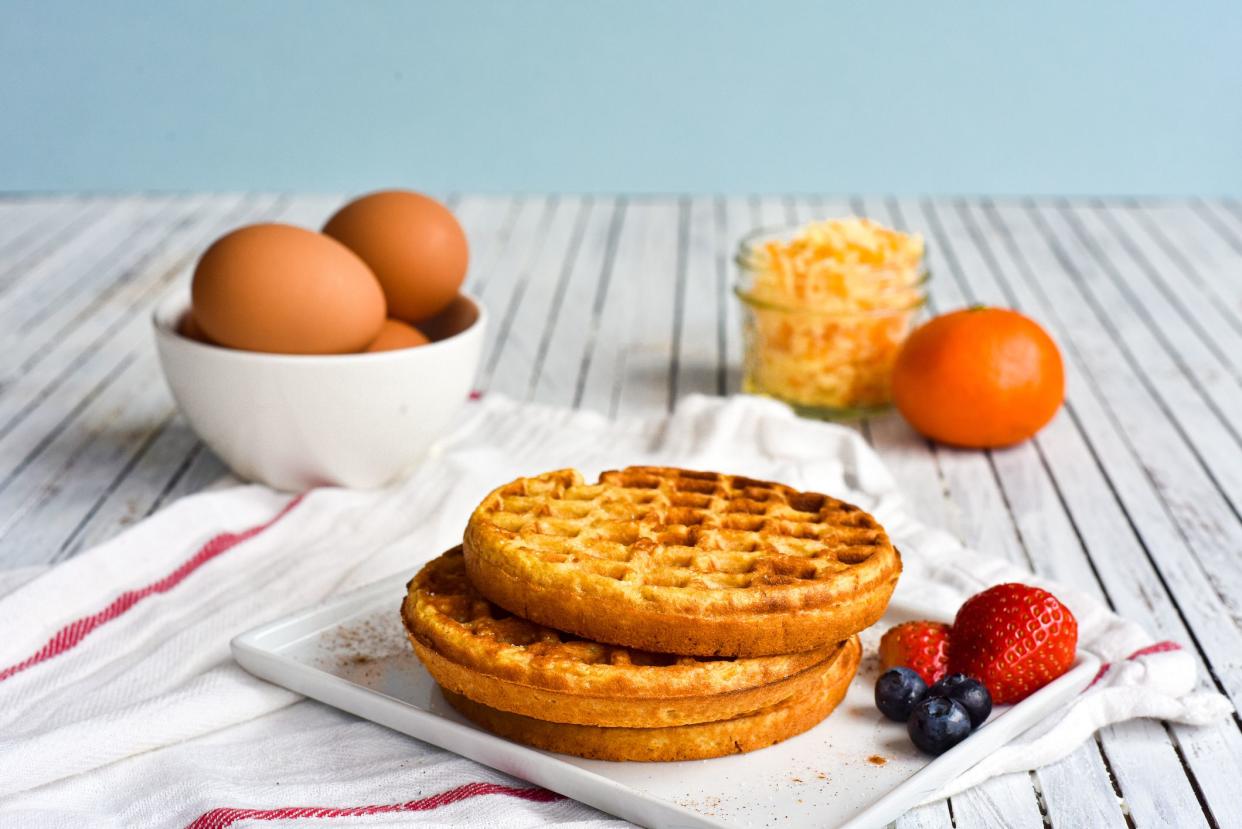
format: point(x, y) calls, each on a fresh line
point(855, 769)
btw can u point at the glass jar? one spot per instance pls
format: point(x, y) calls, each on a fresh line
point(831, 357)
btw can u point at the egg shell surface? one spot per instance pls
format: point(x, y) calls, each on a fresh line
point(413, 244)
point(286, 290)
point(395, 334)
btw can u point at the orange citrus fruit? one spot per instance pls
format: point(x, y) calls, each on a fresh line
point(979, 377)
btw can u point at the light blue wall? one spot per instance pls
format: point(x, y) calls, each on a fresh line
point(785, 95)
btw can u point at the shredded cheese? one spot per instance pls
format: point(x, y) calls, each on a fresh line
point(828, 310)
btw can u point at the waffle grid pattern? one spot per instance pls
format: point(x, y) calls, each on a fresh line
point(677, 528)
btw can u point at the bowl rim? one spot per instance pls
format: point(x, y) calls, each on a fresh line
point(748, 241)
point(169, 310)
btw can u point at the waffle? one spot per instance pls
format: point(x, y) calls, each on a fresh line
point(473, 648)
point(682, 562)
point(681, 742)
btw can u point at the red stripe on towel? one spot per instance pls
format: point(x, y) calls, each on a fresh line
point(73, 633)
point(225, 817)
point(1159, 647)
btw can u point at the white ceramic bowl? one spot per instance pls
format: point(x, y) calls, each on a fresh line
point(299, 421)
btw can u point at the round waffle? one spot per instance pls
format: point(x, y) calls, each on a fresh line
point(680, 742)
point(684, 562)
point(474, 648)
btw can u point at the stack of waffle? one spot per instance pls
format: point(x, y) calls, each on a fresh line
point(659, 614)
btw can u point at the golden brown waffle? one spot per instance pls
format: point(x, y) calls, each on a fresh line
point(683, 562)
point(680, 742)
point(472, 647)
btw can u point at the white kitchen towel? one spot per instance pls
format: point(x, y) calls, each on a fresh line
point(120, 704)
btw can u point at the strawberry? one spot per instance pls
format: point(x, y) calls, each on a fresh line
point(1013, 638)
point(921, 646)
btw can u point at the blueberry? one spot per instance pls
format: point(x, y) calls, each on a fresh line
point(938, 724)
point(897, 691)
point(970, 692)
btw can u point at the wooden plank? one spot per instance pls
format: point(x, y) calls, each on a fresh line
point(703, 287)
point(1078, 791)
point(614, 315)
point(138, 486)
point(31, 232)
point(1224, 222)
point(1209, 240)
point(71, 286)
point(43, 363)
point(25, 260)
point(1157, 787)
point(1176, 278)
point(533, 313)
point(1222, 217)
point(733, 221)
point(520, 324)
point(564, 351)
point(501, 289)
point(201, 470)
point(653, 284)
point(1117, 512)
point(769, 213)
point(1009, 800)
point(25, 385)
point(499, 230)
point(24, 225)
point(82, 462)
point(62, 283)
point(1178, 463)
point(1194, 384)
point(17, 225)
point(934, 815)
point(488, 222)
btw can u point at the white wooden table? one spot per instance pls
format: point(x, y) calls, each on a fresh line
point(1133, 492)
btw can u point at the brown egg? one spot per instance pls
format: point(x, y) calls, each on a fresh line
point(286, 290)
point(412, 243)
point(456, 317)
point(190, 329)
point(395, 334)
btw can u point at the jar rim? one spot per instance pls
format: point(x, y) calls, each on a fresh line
point(748, 239)
point(747, 243)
